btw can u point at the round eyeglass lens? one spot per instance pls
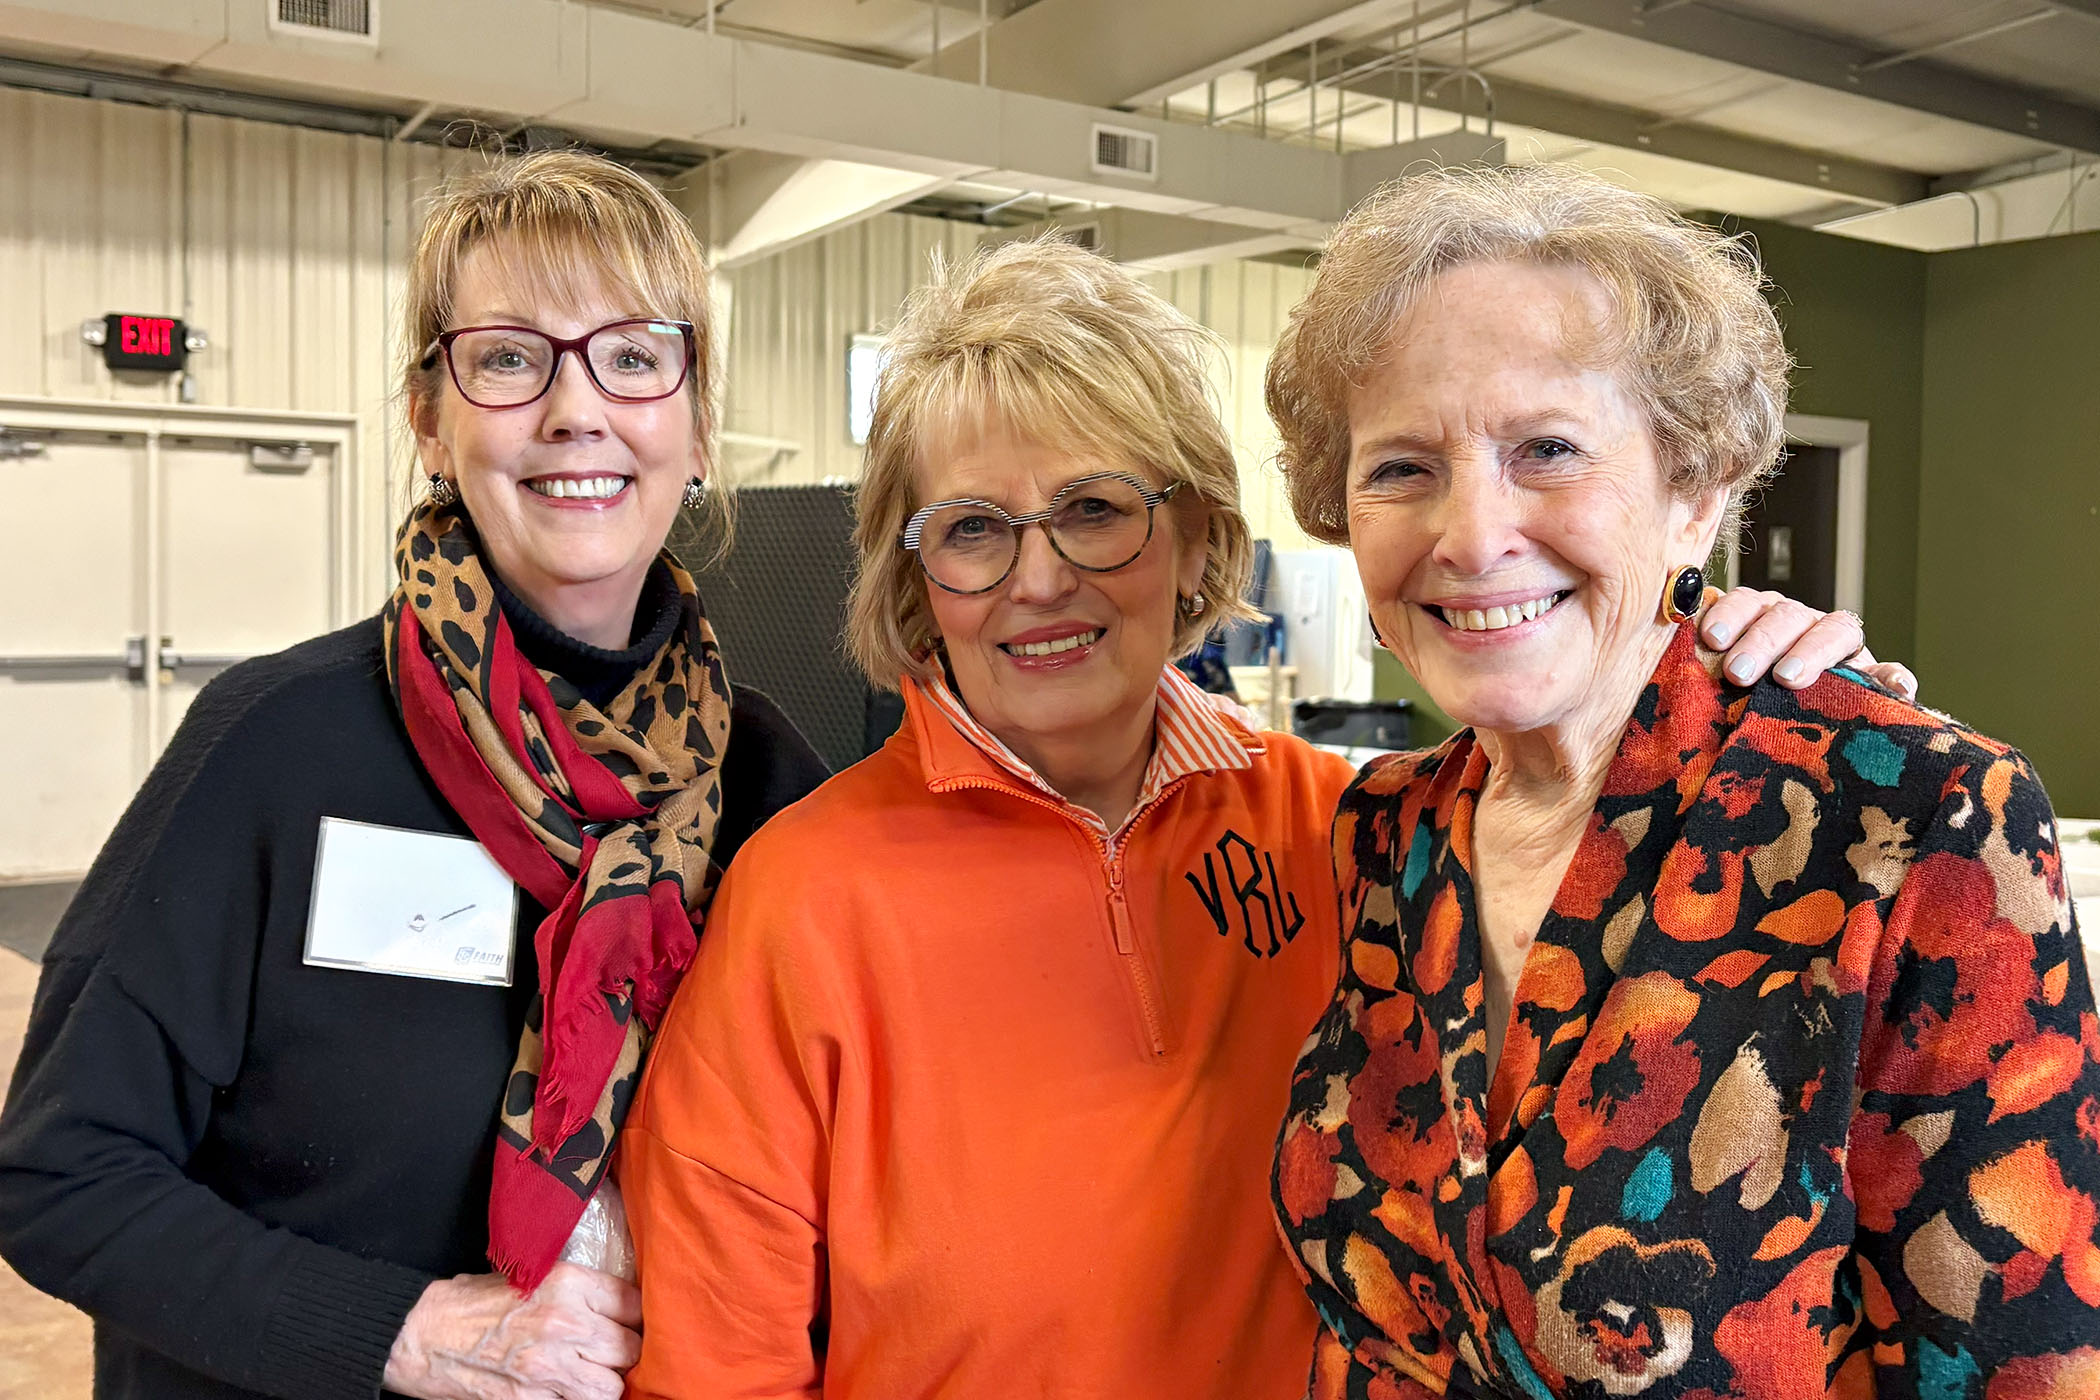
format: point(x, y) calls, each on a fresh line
point(1101, 524)
point(967, 547)
point(1098, 525)
point(638, 359)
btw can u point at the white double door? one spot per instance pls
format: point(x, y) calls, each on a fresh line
point(135, 565)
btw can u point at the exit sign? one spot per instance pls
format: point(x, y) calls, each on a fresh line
point(144, 342)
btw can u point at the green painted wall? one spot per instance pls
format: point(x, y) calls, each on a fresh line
point(2009, 503)
point(1854, 315)
point(1428, 725)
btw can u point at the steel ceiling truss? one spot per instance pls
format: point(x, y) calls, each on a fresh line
point(1766, 46)
point(1368, 73)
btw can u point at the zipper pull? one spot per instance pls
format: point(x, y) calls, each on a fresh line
point(1119, 913)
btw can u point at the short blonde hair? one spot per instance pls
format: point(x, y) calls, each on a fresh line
point(1068, 349)
point(1689, 327)
point(571, 225)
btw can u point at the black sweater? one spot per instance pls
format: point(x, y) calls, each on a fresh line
point(244, 1168)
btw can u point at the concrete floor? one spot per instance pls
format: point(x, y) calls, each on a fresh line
point(44, 1345)
point(28, 914)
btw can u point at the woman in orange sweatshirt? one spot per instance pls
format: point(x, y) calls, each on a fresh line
point(973, 1086)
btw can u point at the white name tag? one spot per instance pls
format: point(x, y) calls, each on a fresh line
point(410, 903)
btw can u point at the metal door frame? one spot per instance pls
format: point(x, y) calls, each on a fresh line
point(1849, 436)
point(153, 421)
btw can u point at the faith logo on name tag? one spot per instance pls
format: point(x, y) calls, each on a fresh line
point(410, 904)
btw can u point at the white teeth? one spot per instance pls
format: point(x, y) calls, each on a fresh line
point(1073, 643)
point(1495, 619)
point(593, 488)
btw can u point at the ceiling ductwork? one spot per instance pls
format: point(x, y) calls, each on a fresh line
point(877, 136)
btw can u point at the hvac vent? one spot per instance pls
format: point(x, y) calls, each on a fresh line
point(356, 20)
point(1120, 151)
point(1087, 236)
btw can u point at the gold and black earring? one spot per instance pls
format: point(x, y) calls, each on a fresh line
point(1683, 593)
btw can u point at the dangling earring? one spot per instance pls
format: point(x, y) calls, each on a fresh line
point(440, 491)
point(1684, 591)
point(695, 493)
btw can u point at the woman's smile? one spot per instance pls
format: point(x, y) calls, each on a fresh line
point(1500, 617)
point(1059, 647)
point(580, 490)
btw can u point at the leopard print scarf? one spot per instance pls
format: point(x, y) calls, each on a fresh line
point(604, 817)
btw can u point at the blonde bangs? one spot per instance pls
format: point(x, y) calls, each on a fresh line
point(969, 397)
point(552, 264)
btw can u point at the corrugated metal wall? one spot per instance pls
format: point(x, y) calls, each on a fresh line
point(284, 245)
point(792, 315)
point(1247, 303)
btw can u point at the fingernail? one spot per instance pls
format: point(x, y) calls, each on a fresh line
point(1790, 671)
point(1741, 670)
point(1721, 634)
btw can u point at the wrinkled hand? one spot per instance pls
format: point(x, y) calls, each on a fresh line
point(1758, 628)
point(475, 1337)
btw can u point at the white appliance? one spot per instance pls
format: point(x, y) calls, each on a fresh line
point(1327, 631)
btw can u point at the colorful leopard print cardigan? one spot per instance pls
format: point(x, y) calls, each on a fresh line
point(1800, 1094)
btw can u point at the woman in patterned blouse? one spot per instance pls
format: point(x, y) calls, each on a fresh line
point(1691, 1040)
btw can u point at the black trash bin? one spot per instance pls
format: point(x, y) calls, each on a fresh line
point(1355, 724)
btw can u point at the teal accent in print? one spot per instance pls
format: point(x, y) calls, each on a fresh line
point(1334, 1325)
point(1944, 1376)
point(1650, 1188)
point(1417, 863)
point(1808, 1184)
point(1519, 1365)
point(1874, 757)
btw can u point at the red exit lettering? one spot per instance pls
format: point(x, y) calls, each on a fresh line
point(146, 335)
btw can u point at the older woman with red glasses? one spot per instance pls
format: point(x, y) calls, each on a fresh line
point(972, 1088)
point(334, 1045)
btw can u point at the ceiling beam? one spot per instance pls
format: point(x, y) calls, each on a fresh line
point(1545, 110)
point(1158, 242)
point(749, 204)
point(1785, 52)
point(1129, 53)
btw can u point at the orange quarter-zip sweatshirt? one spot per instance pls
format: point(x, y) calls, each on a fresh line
point(968, 1096)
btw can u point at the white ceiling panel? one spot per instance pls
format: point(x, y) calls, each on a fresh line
point(2059, 54)
point(1629, 73)
point(1682, 183)
point(1814, 118)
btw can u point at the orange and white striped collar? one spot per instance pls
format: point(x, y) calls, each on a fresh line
point(1193, 732)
